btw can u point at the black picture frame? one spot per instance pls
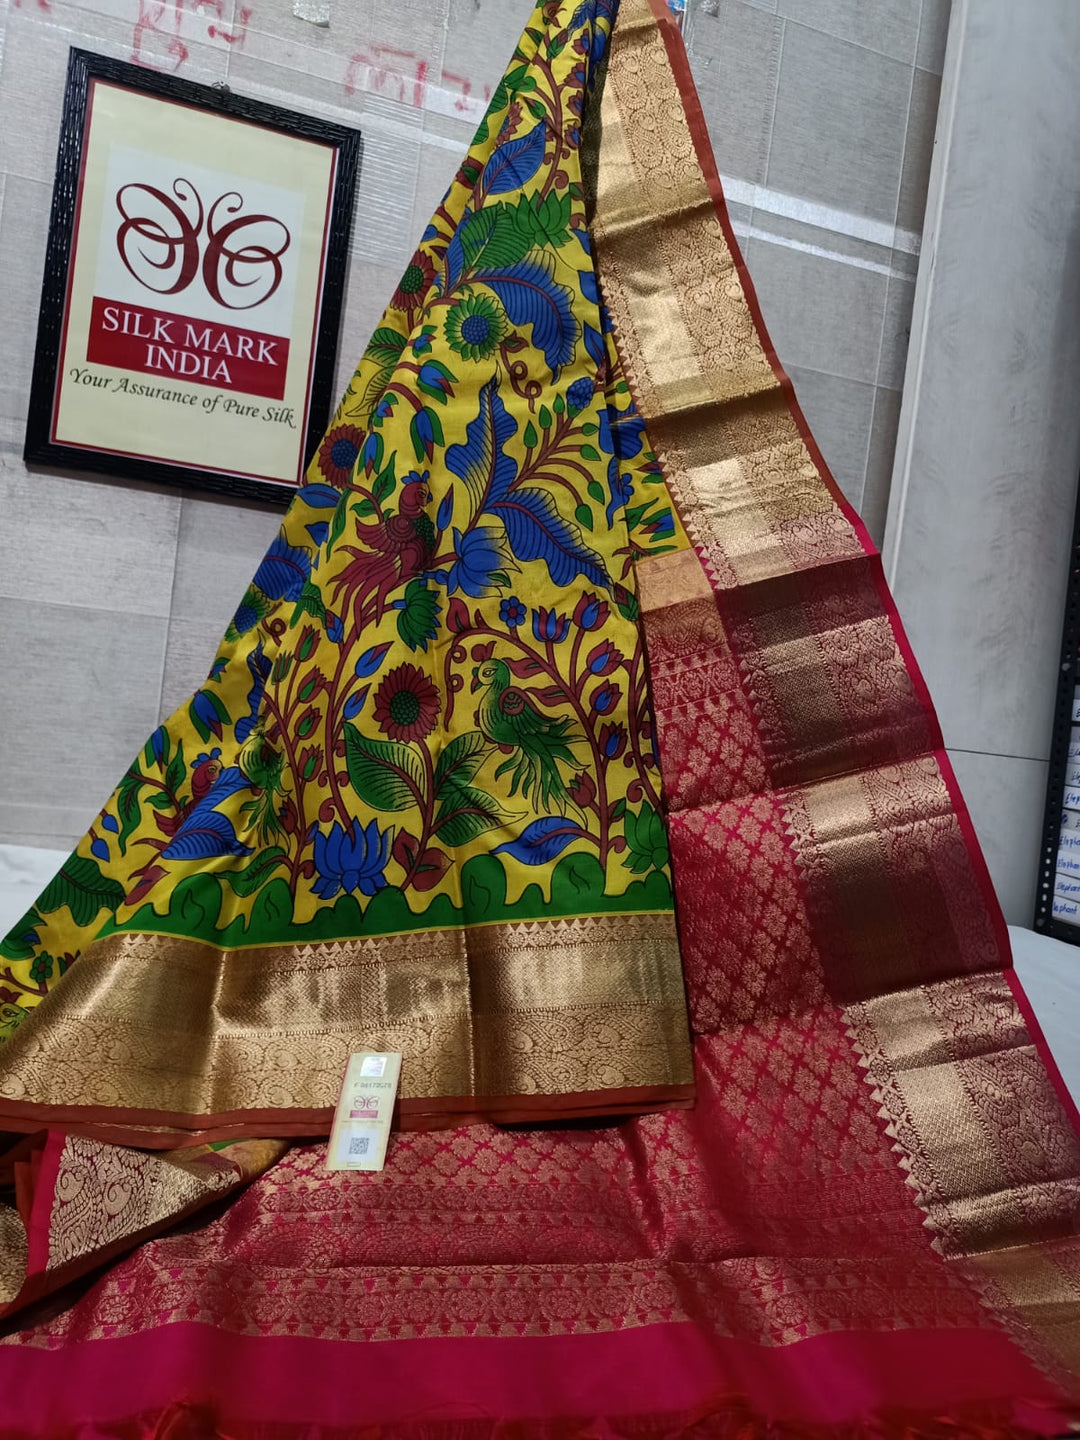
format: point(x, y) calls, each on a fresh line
point(1065, 735)
point(84, 67)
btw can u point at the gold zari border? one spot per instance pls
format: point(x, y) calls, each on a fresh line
point(158, 1026)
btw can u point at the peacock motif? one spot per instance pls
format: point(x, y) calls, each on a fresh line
point(534, 742)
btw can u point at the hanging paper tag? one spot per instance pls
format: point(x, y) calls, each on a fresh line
point(361, 1127)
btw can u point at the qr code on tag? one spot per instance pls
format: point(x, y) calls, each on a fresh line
point(358, 1146)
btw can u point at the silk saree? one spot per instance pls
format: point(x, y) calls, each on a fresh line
point(568, 741)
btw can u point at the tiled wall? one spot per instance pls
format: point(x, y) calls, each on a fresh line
point(113, 596)
point(822, 117)
point(981, 518)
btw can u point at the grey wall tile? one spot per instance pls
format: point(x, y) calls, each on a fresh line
point(386, 191)
point(979, 530)
point(822, 314)
point(838, 135)
point(891, 26)
point(1046, 969)
point(933, 32)
point(219, 547)
point(67, 540)
point(879, 462)
point(445, 141)
point(896, 331)
point(110, 548)
point(45, 826)
point(905, 260)
point(295, 60)
point(479, 42)
point(829, 233)
point(919, 150)
point(838, 412)
point(190, 648)
point(735, 54)
point(368, 289)
point(741, 217)
point(369, 45)
point(35, 64)
point(1005, 797)
point(416, 28)
point(80, 698)
point(347, 28)
point(24, 226)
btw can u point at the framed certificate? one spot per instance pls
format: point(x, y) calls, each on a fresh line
point(193, 284)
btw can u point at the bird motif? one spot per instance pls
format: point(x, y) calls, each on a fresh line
point(200, 830)
point(259, 761)
point(510, 717)
point(396, 549)
point(262, 766)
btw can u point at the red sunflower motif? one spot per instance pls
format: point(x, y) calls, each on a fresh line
point(414, 284)
point(338, 454)
point(406, 704)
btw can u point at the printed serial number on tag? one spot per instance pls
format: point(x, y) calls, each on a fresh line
point(365, 1108)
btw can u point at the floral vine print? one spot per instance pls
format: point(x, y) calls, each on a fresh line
point(430, 706)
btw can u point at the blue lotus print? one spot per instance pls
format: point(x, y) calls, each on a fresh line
point(352, 859)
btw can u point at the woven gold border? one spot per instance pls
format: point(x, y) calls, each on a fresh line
point(148, 1026)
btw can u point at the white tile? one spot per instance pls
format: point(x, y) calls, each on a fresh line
point(838, 412)
point(822, 314)
point(891, 26)
point(220, 545)
point(879, 462)
point(933, 33)
point(24, 873)
point(1049, 972)
point(1006, 797)
point(918, 150)
point(735, 60)
point(189, 652)
point(70, 540)
point(80, 697)
point(838, 135)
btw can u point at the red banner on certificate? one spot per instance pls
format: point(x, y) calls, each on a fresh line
point(132, 337)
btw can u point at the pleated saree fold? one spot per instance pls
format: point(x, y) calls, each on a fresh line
point(715, 766)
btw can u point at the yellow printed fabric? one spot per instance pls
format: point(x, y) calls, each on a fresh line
point(415, 804)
